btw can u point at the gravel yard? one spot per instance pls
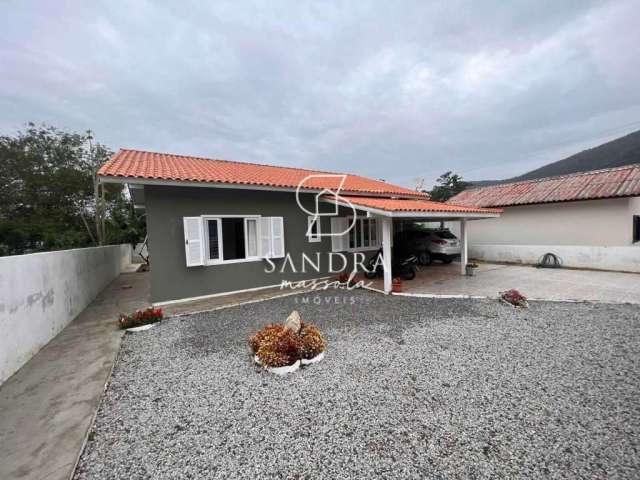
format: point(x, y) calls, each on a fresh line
point(410, 388)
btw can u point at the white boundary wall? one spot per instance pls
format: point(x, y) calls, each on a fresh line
point(622, 259)
point(42, 292)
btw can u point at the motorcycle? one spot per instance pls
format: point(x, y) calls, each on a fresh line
point(404, 268)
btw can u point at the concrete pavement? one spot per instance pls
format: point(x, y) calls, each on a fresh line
point(535, 283)
point(47, 407)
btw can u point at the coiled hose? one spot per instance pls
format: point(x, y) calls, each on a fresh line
point(549, 260)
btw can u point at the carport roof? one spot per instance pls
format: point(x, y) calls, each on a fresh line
point(397, 207)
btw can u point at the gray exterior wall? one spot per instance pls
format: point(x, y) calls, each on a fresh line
point(171, 279)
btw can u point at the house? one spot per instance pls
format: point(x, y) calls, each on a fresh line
point(217, 227)
point(590, 219)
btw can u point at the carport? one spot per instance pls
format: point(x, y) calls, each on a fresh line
point(389, 209)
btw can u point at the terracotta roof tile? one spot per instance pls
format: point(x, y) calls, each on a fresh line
point(411, 205)
point(137, 164)
point(607, 183)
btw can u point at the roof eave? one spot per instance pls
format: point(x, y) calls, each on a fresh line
point(414, 213)
point(243, 186)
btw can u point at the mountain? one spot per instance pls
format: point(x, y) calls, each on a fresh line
point(621, 151)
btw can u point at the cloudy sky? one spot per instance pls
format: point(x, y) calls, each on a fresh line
point(393, 90)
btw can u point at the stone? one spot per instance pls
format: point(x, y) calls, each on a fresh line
point(293, 322)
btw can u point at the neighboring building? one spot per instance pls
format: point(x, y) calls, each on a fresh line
point(216, 227)
point(591, 219)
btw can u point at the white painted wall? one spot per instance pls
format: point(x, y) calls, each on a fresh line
point(622, 259)
point(594, 234)
point(591, 222)
point(43, 292)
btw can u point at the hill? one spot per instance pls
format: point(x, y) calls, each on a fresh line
point(621, 151)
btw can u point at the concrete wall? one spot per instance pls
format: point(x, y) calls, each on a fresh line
point(624, 259)
point(592, 222)
point(171, 279)
point(43, 292)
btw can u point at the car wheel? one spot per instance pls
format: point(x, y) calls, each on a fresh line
point(370, 275)
point(425, 258)
point(447, 259)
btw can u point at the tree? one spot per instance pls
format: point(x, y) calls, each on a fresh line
point(50, 198)
point(447, 185)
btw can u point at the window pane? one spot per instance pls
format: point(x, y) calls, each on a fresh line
point(233, 238)
point(358, 229)
point(365, 232)
point(374, 232)
point(352, 235)
point(252, 237)
point(214, 245)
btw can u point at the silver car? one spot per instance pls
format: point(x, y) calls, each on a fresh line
point(442, 245)
point(427, 245)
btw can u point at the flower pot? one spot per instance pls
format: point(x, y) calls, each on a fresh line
point(311, 361)
point(279, 370)
point(396, 286)
point(470, 271)
point(284, 370)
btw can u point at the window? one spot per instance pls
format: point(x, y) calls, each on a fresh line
point(364, 234)
point(215, 239)
point(636, 228)
point(313, 229)
point(231, 239)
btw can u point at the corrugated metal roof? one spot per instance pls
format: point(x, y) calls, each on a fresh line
point(607, 183)
point(163, 166)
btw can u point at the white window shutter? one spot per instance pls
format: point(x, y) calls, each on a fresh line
point(193, 242)
point(265, 237)
point(277, 237)
point(339, 242)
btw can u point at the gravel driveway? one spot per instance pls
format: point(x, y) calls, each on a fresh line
point(410, 388)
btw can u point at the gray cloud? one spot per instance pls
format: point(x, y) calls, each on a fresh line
point(391, 91)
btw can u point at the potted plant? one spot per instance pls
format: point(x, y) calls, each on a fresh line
point(313, 344)
point(514, 298)
point(470, 269)
point(261, 335)
point(396, 285)
point(140, 319)
point(277, 349)
point(281, 349)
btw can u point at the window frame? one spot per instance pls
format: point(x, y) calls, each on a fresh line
point(221, 260)
point(318, 235)
point(359, 239)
